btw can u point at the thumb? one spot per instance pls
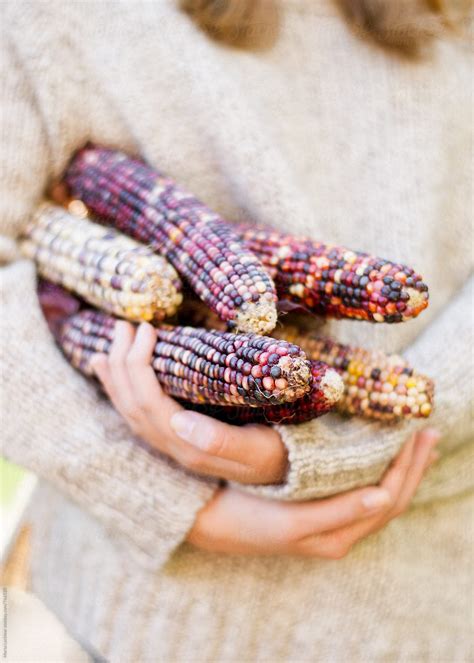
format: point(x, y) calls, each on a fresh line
point(259, 448)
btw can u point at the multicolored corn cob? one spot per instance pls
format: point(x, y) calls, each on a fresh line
point(104, 267)
point(202, 366)
point(377, 385)
point(143, 203)
point(326, 389)
point(335, 281)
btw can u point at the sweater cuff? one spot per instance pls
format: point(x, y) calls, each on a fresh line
point(330, 455)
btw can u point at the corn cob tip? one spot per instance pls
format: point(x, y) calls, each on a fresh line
point(296, 371)
point(256, 318)
point(418, 300)
point(332, 386)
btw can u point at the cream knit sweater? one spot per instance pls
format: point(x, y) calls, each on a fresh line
point(322, 135)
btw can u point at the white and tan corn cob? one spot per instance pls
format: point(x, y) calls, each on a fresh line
point(105, 268)
point(376, 385)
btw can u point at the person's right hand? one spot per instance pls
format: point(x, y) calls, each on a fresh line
point(237, 523)
point(249, 454)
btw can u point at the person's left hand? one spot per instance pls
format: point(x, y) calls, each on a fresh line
point(237, 523)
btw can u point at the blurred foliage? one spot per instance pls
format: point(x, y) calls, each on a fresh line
point(10, 477)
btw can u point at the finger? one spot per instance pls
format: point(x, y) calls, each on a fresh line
point(313, 519)
point(142, 377)
point(257, 453)
point(100, 365)
point(425, 441)
point(396, 474)
point(124, 334)
point(403, 472)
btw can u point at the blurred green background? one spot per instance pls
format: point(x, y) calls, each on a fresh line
point(10, 478)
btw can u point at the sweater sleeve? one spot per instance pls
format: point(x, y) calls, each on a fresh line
point(334, 454)
point(53, 421)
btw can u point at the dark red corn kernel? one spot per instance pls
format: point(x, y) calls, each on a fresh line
point(193, 363)
point(336, 281)
point(326, 389)
point(142, 203)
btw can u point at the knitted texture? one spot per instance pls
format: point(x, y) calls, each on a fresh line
point(87, 452)
point(323, 136)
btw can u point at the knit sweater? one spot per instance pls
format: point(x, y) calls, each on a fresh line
point(322, 135)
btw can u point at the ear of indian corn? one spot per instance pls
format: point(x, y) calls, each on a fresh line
point(202, 366)
point(105, 268)
point(152, 208)
point(376, 385)
point(326, 389)
point(336, 281)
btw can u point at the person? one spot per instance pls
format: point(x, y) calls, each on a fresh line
point(161, 535)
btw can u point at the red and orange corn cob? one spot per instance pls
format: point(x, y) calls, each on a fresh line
point(143, 203)
point(376, 385)
point(202, 366)
point(105, 268)
point(326, 389)
point(336, 281)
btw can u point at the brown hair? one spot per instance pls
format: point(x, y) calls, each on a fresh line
point(404, 26)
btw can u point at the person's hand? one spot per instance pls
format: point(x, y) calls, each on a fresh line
point(250, 454)
point(237, 523)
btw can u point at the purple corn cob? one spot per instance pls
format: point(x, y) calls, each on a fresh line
point(326, 389)
point(202, 366)
point(143, 203)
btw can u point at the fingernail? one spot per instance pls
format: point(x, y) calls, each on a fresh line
point(376, 499)
point(193, 428)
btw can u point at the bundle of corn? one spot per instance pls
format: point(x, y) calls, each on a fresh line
point(243, 377)
point(143, 203)
point(327, 388)
point(336, 281)
point(376, 385)
point(202, 366)
point(105, 268)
